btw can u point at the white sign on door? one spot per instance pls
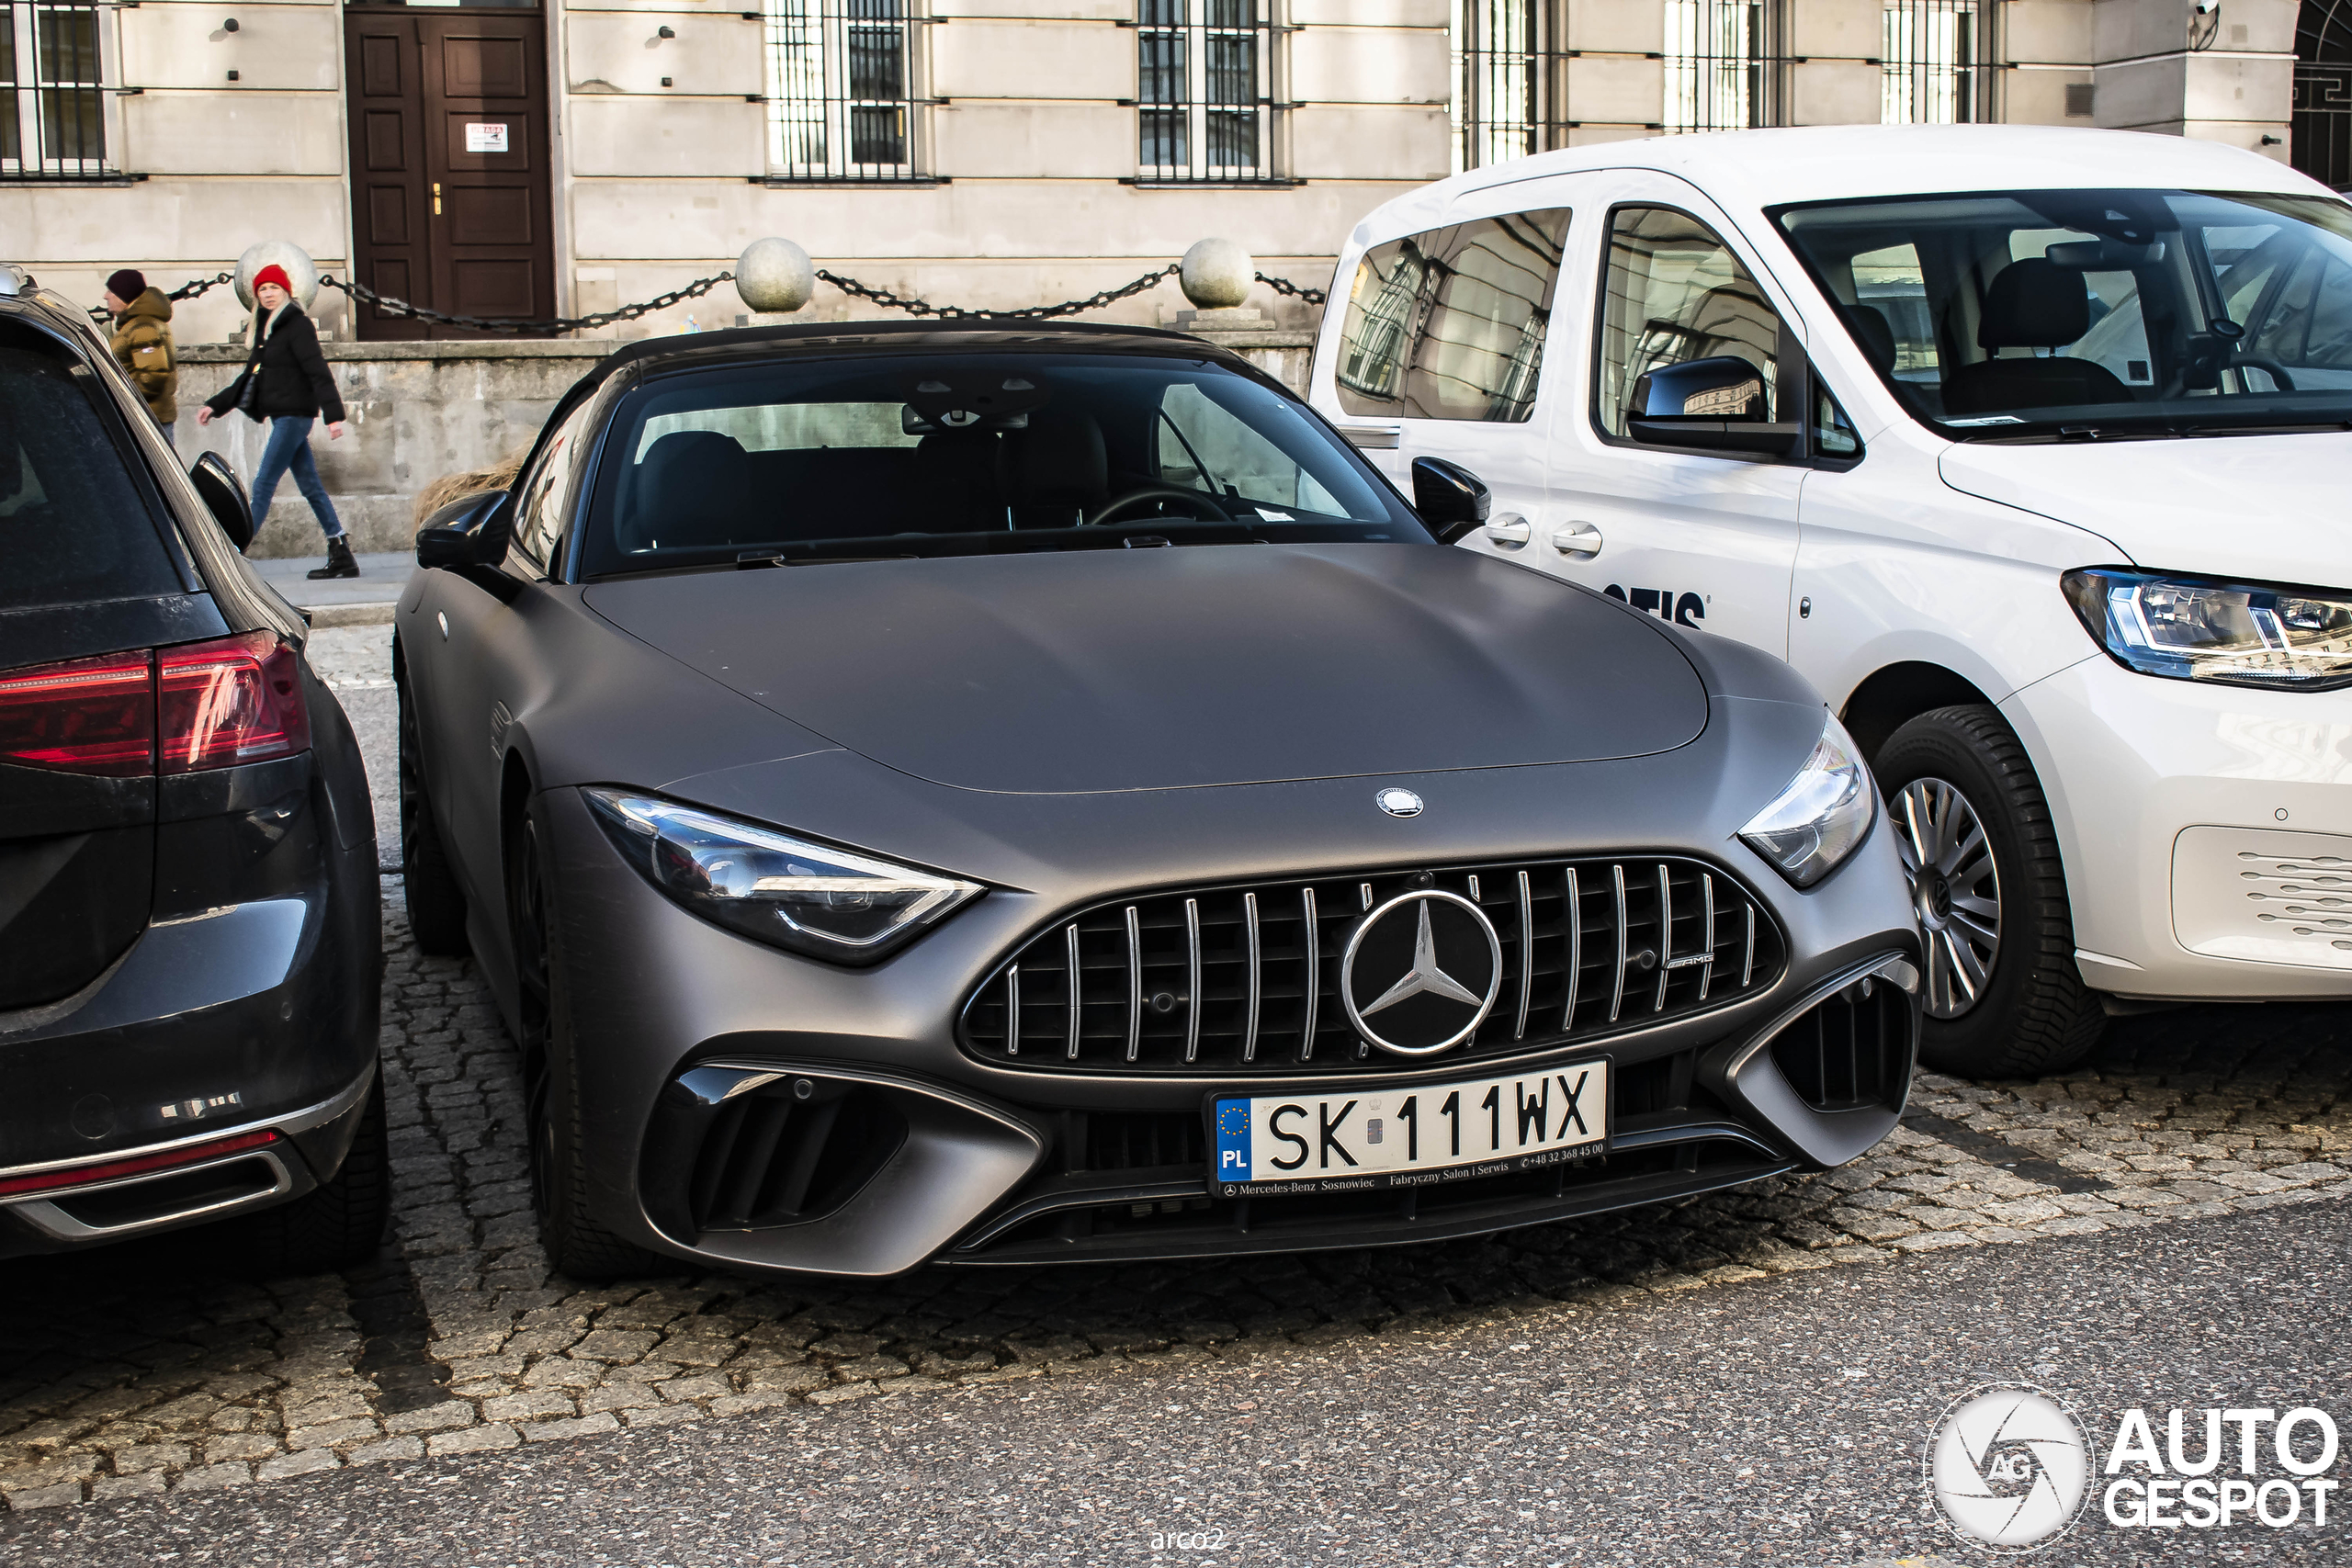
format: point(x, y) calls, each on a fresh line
point(485, 138)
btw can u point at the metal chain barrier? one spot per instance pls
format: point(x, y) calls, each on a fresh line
point(1029, 313)
point(392, 307)
point(362, 294)
point(1284, 285)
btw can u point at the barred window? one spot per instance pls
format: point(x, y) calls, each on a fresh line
point(1205, 79)
point(1933, 68)
point(1503, 60)
point(1721, 65)
point(842, 97)
point(52, 89)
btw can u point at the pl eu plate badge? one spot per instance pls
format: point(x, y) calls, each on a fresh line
point(1233, 1140)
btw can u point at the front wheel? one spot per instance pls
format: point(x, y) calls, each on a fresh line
point(2003, 996)
point(577, 1242)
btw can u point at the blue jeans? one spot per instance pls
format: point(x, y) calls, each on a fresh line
point(289, 446)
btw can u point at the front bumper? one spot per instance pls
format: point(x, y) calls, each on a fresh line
point(2185, 814)
point(701, 1060)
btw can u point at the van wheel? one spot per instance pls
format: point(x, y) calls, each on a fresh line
point(577, 1243)
point(436, 906)
point(2003, 996)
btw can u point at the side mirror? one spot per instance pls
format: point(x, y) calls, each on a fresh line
point(1450, 497)
point(1717, 403)
point(223, 495)
point(455, 535)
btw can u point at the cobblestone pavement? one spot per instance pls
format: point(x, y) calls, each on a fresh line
point(143, 1368)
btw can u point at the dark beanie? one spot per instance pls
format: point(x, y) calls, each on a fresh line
point(127, 284)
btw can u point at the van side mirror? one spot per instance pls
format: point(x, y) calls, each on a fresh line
point(458, 535)
point(1450, 497)
point(1717, 403)
point(223, 495)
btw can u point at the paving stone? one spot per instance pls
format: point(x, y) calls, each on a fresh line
point(302, 1463)
point(331, 1434)
point(585, 1426)
point(473, 1439)
point(212, 1477)
point(111, 1486)
point(431, 1417)
point(390, 1448)
point(532, 1402)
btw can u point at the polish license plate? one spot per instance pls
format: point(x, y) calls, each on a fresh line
point(1370, 1139)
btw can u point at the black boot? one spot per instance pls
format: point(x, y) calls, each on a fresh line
point(339, 562)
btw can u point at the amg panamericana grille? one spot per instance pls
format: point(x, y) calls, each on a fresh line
point(1247, 978)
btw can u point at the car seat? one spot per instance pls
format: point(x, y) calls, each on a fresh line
point(692, 489)
point(2033, 303)
point(1056, 471)
point(1873, 332)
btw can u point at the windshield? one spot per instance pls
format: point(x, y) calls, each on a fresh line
point(2071, 314)
point(945, 454)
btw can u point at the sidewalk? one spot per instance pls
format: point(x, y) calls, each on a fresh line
point(363, 601)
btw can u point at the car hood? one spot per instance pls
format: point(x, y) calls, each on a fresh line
point(1155, 668)
point(2266, 508)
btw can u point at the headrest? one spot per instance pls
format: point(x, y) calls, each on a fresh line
point(676, 455)
point(2033, 304)
point(1872, 332)
point(1058, 460)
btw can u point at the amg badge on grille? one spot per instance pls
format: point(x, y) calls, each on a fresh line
point(1420, 973)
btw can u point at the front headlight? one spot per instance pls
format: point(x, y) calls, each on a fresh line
point(1822, 817)
point(2233, 634)
point(824, 902)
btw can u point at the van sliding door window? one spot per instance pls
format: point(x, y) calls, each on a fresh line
point(1676, 293)
point(1449, 324)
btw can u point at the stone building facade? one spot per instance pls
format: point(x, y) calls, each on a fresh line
point(518, 160)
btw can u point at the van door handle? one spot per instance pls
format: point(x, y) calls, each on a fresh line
point(1577, 539)
point(1508, 529)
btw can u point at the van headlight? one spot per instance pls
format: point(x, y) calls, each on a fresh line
point(1821, 817)
point(2193, 628)
point(812, 898)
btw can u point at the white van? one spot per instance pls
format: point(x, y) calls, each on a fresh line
point(2027, 446)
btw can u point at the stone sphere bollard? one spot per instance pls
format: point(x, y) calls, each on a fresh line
point(299, 268)
point(774, 277)
point(1217, 273)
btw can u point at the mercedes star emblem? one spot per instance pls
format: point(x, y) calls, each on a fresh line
point(1420, 973)
point(1398, 802)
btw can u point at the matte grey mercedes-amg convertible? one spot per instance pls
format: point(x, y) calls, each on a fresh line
point(980, 796)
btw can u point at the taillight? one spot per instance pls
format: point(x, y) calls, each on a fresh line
point(234, 699)
point(180, 710)
point(91, 716)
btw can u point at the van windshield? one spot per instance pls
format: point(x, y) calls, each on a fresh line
point(2074, 313)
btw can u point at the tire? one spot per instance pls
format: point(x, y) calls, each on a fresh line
point(436, 905)
point(337, 1224)
point(2003, 998)
point(576, 1242)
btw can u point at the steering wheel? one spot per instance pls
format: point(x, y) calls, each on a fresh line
point(1113, 508)
point(2270, 368)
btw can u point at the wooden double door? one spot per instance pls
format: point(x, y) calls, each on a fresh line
point(449, 174)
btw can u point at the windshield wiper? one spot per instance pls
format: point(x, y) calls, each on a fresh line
point(850, 551)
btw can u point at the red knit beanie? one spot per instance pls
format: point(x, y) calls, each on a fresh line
point(273, 274)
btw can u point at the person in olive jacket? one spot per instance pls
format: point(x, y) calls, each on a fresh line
point(286, 382)
point(142, 342)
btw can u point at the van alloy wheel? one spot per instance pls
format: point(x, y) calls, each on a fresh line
point(1956, 889)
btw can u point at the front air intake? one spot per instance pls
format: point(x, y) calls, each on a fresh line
point(1853, 1051)
point(731, 1150)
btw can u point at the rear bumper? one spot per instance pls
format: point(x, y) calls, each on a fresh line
point(228, 1170)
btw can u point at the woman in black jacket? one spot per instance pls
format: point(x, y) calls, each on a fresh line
point(286, 382)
